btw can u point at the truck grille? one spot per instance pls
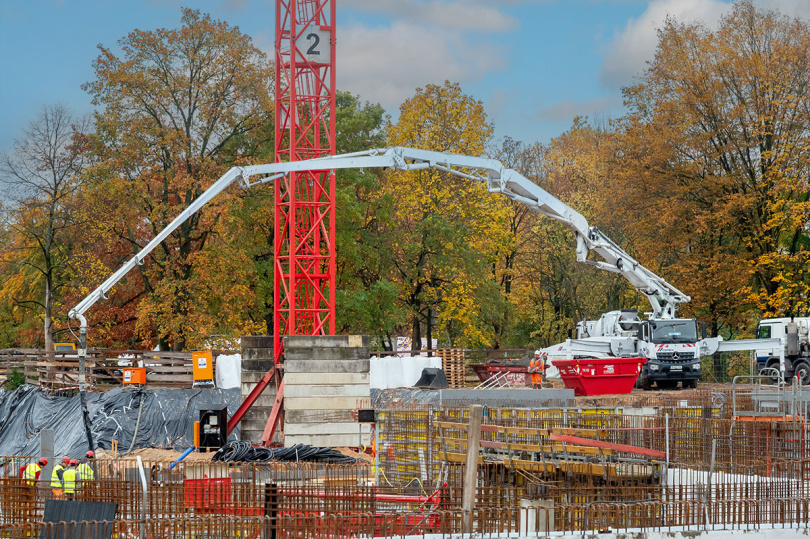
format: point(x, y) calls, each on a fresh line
point(676, 357)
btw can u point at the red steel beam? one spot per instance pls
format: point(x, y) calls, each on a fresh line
point(607, 445)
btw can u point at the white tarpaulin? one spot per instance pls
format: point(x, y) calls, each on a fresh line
point(228, 371)
point(392, 372)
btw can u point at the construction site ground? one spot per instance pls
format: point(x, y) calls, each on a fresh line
point(639, 397)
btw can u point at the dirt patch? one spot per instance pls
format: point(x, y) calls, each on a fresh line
point(157, 455)
point(655, 397)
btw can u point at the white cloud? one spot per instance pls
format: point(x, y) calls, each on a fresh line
point(465, 15)
point(386, 64)
point(793, 8)
point(567, 110)
point(631, 48)
point(635, 45)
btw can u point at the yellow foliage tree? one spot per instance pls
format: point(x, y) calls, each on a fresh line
point(446, 232)
point(178, 108)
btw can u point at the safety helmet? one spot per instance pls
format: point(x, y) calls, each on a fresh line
point(90, 455)
point(65, 460)
point(43, 461)
point(73, 462)
point(537, 352)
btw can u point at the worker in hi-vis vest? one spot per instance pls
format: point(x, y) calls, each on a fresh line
point(31, 472)
point(536, 368)
point(85, 469)
point(69, 480)
point(57, 484)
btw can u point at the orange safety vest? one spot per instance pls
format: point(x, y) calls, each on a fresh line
point(535, 368)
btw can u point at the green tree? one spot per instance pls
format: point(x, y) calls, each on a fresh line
point(366, 298)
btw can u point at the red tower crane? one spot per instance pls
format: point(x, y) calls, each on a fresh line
point(304, 301)
point(304, 241)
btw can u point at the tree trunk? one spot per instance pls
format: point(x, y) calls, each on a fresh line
point(48, 322)
point(429, 332)
point(717, 362)
point(416, 333)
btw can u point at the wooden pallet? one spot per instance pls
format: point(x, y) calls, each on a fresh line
point(454, 365)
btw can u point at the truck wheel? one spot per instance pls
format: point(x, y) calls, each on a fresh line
point(644, 383)
point(802, 372)
point(773, 365)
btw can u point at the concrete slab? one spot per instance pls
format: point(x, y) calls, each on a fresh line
point(325, 354)
point(326, 341)
point(318, 390)
point(317, 416)
point(326, 429)
point(511, 397)
point(326, 378)
point(345, 366)
point(323, 403)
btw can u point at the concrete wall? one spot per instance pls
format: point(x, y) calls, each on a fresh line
point(392, 372)
point(257, 359)
point(512, 397)
point(326, 377)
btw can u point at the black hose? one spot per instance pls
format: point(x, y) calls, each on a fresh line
point(241, 451)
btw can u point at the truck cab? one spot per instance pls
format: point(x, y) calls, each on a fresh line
point(793, 332)
point(670, 346)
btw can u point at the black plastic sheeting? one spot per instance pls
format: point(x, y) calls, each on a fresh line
point(167, 418)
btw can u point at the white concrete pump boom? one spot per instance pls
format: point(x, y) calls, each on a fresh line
point(663, 297)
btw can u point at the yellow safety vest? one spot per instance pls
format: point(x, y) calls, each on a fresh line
point(30, 473)
point(69, 477)
point(85, 472)
point(55, 481)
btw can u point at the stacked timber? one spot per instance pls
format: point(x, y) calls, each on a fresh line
point(454, 365)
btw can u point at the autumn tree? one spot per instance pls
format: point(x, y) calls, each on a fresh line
point(40, 182)
point(553, 290)
point(446, 230)
point(178, 107)
point(716, 166)
point(366, 297)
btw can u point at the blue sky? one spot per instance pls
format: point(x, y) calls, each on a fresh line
point(536, 64)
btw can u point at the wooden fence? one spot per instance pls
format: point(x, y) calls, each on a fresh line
point(104, 367)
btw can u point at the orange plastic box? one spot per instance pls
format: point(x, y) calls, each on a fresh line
point(135, 375)
point(202, 366)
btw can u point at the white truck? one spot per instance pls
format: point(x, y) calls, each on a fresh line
point(794, 336)
point(670, 345)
